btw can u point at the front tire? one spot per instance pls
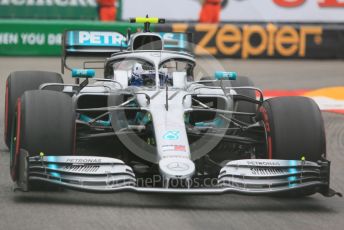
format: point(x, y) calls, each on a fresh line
point(45, 122)
point(294, 128)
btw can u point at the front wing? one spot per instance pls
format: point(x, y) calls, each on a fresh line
point(102, 174)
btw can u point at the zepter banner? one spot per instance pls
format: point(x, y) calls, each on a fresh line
point(328, 11)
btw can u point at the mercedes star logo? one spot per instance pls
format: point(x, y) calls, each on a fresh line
point(178, 166)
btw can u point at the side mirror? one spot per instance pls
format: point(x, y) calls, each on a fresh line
point(221, 75)
point(83, 73)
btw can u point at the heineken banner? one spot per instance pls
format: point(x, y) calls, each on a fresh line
point(49, 9)
point(33, 37)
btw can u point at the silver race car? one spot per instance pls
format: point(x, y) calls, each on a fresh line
point(147, 125)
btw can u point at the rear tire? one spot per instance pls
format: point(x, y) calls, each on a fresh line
point(17, 83)
point(45, 122)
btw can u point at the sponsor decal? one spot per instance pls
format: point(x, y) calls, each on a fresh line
point(49, 9)
point(171, 135)
point(180, 148)
point(81, 168)
point(30, 39)
point(178, 166)
point(263, 163)
point(174, 40)
point(167, 148)
point(60, 3)
point(289, 3)
point(267, 171)
point(252, 40)
point(44, 37)
point(83, 161)
point(297, 3)
point(331, 3)
point(97, 38)
point(176, 156)
point(321, 11)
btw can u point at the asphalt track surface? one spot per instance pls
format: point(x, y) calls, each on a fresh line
point(77, 210)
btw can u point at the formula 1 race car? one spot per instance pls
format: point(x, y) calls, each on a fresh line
point(148, 126)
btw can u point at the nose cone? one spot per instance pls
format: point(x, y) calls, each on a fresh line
point(176, 168)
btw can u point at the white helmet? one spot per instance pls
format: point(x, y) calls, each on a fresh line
point(137, 69)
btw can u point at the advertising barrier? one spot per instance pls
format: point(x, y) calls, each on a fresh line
point(309, 11)
point(53, 9)
point(43, 38)
point(319, 11)
point(266, 40)
point(49, 9)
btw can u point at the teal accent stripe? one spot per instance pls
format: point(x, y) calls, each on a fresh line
point(71, 38)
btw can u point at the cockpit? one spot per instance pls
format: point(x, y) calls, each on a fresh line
point(142, 73)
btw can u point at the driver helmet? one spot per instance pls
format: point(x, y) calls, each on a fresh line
point(142, 77)
point(136, 76)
